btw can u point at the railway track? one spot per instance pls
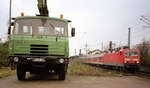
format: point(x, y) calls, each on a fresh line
point(141, 74)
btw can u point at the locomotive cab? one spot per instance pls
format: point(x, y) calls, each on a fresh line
point(131, 58)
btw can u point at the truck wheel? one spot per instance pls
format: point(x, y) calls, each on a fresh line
point(62, 74)
point(20, 72)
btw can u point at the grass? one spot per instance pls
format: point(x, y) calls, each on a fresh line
point(6, 71)
point(75, 68)
point(81, 69)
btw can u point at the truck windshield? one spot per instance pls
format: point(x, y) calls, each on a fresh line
point(131, 53)
point(40, 27)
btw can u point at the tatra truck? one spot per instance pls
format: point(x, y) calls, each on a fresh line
point(39, 44)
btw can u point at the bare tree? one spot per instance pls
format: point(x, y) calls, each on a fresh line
point(144, 48)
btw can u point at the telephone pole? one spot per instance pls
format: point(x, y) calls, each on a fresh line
point(129, 37)
point(75, 53)
point(9, 27)
point(102, 46)
point(10, 13)
point(86, 48)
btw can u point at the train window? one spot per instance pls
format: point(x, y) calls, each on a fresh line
point(131, 53)
point(126, 53)
point(120, 53)
point(100, 58)
point(134, 53)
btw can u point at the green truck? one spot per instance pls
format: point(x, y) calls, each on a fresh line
point(39, 44)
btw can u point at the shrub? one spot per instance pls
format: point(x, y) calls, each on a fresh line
point(4, 54)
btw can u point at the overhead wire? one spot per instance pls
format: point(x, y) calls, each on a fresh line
point(122, 31)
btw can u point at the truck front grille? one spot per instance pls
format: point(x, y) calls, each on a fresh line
point(38, 49)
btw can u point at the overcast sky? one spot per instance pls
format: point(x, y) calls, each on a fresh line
point(96, 21)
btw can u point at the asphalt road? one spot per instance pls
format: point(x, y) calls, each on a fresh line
point(46, 81)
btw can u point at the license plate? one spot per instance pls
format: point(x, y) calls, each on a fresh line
point(38, 60)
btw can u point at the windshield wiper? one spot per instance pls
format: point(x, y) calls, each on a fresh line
point(58, 33)
point(32, 28)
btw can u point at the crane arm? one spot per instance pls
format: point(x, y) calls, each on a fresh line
point(42, 6)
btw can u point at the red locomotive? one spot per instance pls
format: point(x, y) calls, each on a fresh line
point(123, 59)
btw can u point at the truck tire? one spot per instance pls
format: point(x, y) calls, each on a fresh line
point(20, 72)
point(62, 74)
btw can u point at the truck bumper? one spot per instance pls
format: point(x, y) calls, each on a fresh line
point(37, 61)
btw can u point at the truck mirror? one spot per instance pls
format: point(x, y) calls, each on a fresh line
point(12, 23)
point(9, 30)
point(73, 32)
point(69, 21)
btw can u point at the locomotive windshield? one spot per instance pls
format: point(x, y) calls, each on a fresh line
point(131, 53)
point(40, 27)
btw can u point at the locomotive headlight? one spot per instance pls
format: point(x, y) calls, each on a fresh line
point(125, 61)
point(61, 60)
point(16, 59)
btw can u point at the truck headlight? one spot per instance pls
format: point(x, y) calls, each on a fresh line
point(16, 59)
point(61, 60)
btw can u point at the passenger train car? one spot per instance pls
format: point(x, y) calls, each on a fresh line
point(124, 59)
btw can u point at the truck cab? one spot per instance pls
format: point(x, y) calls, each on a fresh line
point(39, 44)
